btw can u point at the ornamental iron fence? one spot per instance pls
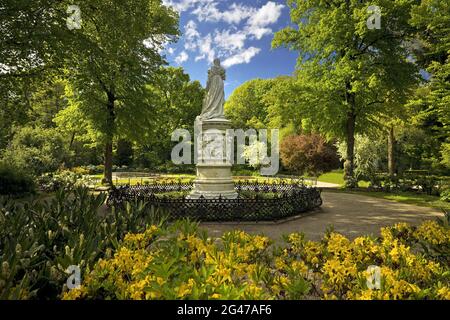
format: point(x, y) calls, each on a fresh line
point(256, 201)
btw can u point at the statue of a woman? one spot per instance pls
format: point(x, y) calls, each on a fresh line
point(215, 97)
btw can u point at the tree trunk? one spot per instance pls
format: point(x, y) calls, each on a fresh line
point(349, 166)
point(108, 156)
point(72, 140)
point(107, 174)
point(391, 152)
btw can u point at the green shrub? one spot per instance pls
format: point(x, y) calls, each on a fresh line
point(51, 182)
point(36, 150)
point(445, 195)
point(369, 155)
point(14, 181)
point(80, 170)
point(40, 240)
point(99, 169)
point(171, 168)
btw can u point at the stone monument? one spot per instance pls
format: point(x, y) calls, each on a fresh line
point(214, 177)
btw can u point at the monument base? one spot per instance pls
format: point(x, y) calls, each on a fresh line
point(214, 178)
point(213, 181)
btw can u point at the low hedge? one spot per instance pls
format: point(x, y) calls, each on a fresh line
point(14, 181)
point(431, 185)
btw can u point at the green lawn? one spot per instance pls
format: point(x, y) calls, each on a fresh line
point(337, 177)
point(168, 177)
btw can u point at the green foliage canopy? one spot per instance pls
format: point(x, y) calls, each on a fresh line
point(347, 72)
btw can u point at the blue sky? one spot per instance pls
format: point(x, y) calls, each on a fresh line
point(238, 32)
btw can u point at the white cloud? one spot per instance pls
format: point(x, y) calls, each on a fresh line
point(207, 12)
point(268, 14)
point(257, 32)
point(194, 42)
point(229, 44)
point(230, 41)
point(184, 5)
point(234, 15)
point(237, 13)
point(205, 48)
point(200, 57)
point(170, 50)
point(243, 57)
point(190, 30)
point(182, 57)
point(191, 36)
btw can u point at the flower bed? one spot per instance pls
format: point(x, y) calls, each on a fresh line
point(132, 253)
point(183, 263)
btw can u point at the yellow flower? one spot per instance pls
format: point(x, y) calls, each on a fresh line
point(185, 288)
point(160, 281)
point(260, 243)
point(74, 294)
point(299, 267)
point(315, 261)
point(280, 263)
point(444, 293)
point(253, 291)
point(365, 295)
point(400, 251)
point(433, 233)
point(402, 289)
point(283, 281)
point(338, 245)
point(153, 295)
point(339, 274)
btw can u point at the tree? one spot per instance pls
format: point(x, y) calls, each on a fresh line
point(124, 153)
point(14, 107)
point(418, 149)
point(176, 101)
point(423, 126)
point(46, 102)
point(349, 73)
point(432, 20)
point(34, 37)
point(309, 154)
point(283, 111)
point(118, 54)
point(172, 101)
point(34, 40)
point(246, 106)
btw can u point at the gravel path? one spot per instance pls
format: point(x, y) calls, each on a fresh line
point(351, 215)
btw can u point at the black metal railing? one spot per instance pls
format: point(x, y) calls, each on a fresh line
point(255, 202)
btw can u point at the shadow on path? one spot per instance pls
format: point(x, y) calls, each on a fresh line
point(351, 215)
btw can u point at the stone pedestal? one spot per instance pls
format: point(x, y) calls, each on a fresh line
point(214, 178)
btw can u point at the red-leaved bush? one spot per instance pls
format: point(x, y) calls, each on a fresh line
point(308, 154)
